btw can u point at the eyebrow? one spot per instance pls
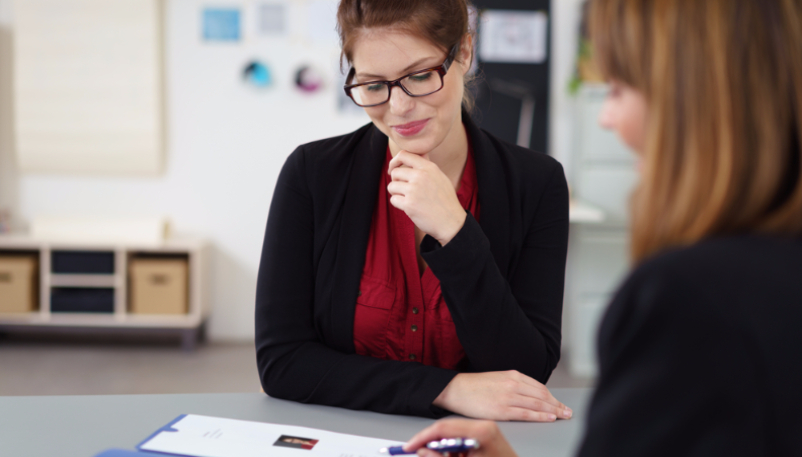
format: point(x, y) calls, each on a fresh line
point(417, 63)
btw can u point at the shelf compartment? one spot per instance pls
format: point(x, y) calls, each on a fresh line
point(158, 284)
point(82, 300)
point(82, 262)
point(19, 282)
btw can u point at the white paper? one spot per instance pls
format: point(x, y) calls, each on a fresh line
point(513, 36)
point(205, 436)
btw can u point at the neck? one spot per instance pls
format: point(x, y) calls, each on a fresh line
point(450, 156)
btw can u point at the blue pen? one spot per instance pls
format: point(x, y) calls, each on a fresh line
point(446, 445)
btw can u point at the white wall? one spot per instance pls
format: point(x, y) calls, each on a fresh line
point(8, 176)
point(226, 144)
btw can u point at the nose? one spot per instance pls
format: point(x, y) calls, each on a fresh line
point(607, 115)
point(400, 102)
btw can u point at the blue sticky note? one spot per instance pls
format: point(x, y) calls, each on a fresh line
point(221, 24)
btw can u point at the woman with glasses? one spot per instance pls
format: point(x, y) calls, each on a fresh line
point(414, 266)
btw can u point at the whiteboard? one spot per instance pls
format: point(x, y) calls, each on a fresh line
point(513, 36)
point(88, 86)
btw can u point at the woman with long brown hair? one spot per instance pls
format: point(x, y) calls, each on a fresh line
point(414, 266)
point(700, 349)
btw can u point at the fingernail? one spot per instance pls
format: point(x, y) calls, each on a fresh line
point(552, 417)
point(568, 413)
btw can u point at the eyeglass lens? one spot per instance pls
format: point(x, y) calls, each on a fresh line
point(417, 85)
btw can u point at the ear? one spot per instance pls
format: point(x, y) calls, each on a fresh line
point(466, 53)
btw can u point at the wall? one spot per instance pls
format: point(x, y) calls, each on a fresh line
point(9, 200)
point(226, 145)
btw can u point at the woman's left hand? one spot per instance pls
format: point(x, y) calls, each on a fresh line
point(421, 190)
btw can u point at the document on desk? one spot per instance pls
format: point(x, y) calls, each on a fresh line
point(205, 436)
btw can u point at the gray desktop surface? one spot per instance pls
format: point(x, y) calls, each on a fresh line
point(82, 426)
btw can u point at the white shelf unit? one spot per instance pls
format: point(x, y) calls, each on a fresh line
point(189, 326)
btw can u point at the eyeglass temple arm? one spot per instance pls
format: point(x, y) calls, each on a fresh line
point(348, 80)
point(452, 55)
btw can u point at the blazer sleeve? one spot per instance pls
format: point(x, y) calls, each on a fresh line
point(677, 375)
point(508, 323)
point(293, 362)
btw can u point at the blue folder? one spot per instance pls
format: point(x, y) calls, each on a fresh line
point(139, 452)
point(123, 453)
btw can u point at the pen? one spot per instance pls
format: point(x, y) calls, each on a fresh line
point(443, 446)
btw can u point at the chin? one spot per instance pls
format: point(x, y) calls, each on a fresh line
point(419, 145)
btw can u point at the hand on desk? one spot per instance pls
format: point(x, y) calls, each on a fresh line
point(491, 442)
point(501, 395)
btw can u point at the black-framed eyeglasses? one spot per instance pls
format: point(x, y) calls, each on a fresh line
point(416, 84)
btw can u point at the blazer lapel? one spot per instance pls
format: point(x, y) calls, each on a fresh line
point(494, 201)
point(354, 230)
point(357, 214)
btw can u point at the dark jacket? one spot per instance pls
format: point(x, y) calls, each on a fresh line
point(502, 279)
point(701, 354)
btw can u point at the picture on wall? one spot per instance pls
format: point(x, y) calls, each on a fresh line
point(221, 24)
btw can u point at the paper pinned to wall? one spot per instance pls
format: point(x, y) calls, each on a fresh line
point(272, 19)
point(221, 24)
point(513, 36)
point(322, 25)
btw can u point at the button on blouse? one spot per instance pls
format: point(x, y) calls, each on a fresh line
point(400, 313)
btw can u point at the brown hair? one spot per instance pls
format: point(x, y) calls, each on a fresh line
point(443, 22)
point(723, 83)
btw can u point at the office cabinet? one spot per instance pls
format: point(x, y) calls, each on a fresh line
point(82, 287)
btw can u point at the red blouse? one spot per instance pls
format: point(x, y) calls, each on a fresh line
point(401, 314)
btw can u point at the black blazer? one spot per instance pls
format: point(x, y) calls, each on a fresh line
point(701, 354)
point(502, 279)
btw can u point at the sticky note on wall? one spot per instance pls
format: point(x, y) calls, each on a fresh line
point(221, 24)
point(272, 19)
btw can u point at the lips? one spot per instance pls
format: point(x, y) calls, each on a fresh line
point(411, 128)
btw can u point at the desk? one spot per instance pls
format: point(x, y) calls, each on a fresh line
point(82, 426)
